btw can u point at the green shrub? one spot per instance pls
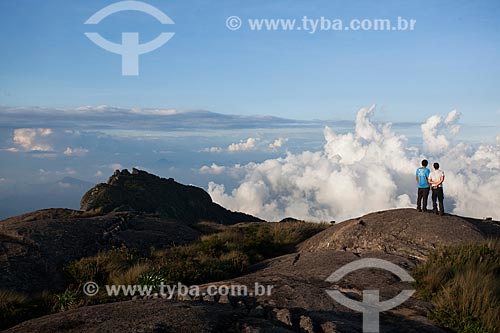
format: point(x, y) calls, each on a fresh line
point(463, 283)
point(69, 299)
point(152, 278)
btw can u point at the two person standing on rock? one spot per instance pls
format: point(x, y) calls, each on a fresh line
point(427, 180)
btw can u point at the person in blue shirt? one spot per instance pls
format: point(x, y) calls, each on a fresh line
point(422, 176)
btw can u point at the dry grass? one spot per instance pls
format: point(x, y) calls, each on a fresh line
point(130, 275)
point(463, 283)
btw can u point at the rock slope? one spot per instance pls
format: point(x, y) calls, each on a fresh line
point(298, 302)
point(35, 247)
point(403, 232)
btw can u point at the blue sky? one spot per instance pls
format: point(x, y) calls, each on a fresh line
point(450, 60)
point(236, 109)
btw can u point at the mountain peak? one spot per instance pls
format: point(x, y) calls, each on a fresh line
point(143, 192)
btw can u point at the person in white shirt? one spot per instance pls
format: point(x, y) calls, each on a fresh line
point(436, 180)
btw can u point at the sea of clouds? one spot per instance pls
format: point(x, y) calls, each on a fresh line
point(367, 170)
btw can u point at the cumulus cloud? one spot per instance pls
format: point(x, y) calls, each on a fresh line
point(434, 140)
point(214, 169)
point(243, 145)
point(278, 143)
point(32, 139)
point(76, 151)
point(452, 121)
point(249, 144)
point(366, 170)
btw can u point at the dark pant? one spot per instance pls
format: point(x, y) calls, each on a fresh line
point(423, 194)
point(438, 195)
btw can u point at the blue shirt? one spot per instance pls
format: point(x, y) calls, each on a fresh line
point(423, 174)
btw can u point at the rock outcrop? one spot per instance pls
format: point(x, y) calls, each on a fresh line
point(142, 192)
point(403, 232)
point(298, 301)
point(35, 247)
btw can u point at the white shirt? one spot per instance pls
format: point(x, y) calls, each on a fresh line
point(436, 176)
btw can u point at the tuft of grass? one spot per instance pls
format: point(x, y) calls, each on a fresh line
point(463, 284)
point(130, 275)
point(106, 267)
point(207, 228)
point(69, 299)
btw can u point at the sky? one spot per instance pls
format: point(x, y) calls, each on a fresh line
point(450, 59)
point(259, 119)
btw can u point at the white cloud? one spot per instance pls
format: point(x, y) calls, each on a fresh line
point(157, 112)
point(249, 144)
point(115, 166)
point(64, 185)
point(212, 150)
point(11, 150)
point(45, 174)
point(76, 151)
point(434, 140)
point(99, 174)
point(45, 131)
point(243, 145)
point(214, 169)
point(452, 121)
point(367, 170)
point(32, 139)
point(278, 143)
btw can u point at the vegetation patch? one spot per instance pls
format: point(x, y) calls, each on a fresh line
point(463, 284)
point(222, 252)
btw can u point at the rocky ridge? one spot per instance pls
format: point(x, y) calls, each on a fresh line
point(143, 192)
point(298, 302)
